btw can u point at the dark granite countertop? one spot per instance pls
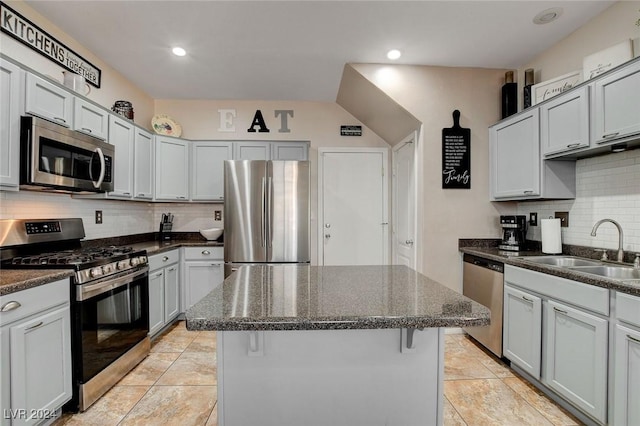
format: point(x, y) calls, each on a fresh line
point(520, 259)
point(12, 280)
point(294, 297)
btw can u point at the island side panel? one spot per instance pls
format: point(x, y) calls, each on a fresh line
point(336, 377)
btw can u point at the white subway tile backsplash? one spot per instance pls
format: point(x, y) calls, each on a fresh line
point(606, 187)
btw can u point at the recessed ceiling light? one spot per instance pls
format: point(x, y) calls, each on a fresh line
point(179, 51)
point(548, 15)
point(394, 54)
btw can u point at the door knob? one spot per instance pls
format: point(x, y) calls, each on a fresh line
point(409, 242)
point(327, 225)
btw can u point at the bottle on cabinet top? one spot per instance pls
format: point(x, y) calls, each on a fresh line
point(509, 95)
point(528, 84)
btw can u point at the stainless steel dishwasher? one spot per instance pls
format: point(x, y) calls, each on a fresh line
point(483, 281)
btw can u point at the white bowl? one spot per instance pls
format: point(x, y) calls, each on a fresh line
point(211, 233)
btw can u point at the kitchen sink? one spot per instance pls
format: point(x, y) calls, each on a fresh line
point(616, 272)
point(562, 261)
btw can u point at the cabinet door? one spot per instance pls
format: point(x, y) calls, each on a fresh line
point(564, 122)
point(200, 279)
point(207, 171)
point(515, 157)
point(575, 361)
point(522, 330)
point(627, 376)
point(11, 103)
point(121, 134)
point(290, 151)
point(41, 364)
point(171, 293)
point(48, 101)
point(142, 164)
point(90, 119)
point(156, 301)
point(616, 108)
point(172, 168)
point(251, 151)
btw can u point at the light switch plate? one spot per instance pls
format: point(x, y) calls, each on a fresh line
point(533, 219)
point(564, 219)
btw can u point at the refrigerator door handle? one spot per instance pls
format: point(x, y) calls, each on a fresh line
point(269, 217)
point(263, 229)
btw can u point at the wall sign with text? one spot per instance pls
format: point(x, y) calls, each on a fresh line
point(29, 34)
point(456, 156)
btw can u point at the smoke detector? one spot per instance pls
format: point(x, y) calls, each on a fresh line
point(548, 15)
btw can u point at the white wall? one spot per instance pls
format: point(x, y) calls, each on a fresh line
point(608, 186)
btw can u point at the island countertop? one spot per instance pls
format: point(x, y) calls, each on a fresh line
point(303, 297)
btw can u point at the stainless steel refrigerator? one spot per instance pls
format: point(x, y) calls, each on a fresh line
point(266, 212)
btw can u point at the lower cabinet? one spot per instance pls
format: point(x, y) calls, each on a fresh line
point(203, 271)
point(556, 330)
point(626, 377)
point(35, 349)
point(164, 290)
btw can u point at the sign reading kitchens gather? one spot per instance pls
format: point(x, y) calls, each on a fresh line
point(456, 156)
point(25, 31)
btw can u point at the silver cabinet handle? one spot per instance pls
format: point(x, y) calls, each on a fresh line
point(34, 326)
point(141, 194)
point(87, 130)
point(633, 338)
point(60, 119)
point(560, 310)
point(527, 299)
point(217, 265)
point(165, 258)
point(181, 198)
point(173, 268)
point(528, 192)
point(573, 145)
point(159, 274)
point(10, 306)
point(126, 193)
point(206, 252)
point(610, 135)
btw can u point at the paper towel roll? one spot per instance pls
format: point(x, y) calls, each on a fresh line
point(551, 237)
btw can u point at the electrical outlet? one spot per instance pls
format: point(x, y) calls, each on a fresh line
point(217, 215)
point(564, 219)
point(533, 219)
point(98, 216)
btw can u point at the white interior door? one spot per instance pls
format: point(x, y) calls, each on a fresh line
point(404, 203)
point(353, 207)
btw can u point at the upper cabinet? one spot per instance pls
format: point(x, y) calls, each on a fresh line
point(143, 165)
point(207, 169)
point(290, 151)
point(243, 150)
point(564, 122)
point(48, 101)
point(90, 119)
point(616, 105)
point(11, 105)
point(172, 169)
point(121, 135)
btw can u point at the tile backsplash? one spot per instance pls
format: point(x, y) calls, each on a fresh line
point(606, 187)
point(119, 217)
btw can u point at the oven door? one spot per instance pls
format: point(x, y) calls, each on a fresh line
point(112, 316)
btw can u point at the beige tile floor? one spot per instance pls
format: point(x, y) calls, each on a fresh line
point(479, 389)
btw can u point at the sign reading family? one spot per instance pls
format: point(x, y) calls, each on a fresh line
point(456, 155)
point(25, 31)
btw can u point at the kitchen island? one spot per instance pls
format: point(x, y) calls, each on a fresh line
point(338, 345)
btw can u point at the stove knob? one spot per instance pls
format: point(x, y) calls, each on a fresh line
point(123, 264)
point(95, 272)
point(108, 268)
point(135, 261)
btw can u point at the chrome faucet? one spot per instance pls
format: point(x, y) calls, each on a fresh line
point(620, 236)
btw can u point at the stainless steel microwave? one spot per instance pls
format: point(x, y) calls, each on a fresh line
point(53, 157)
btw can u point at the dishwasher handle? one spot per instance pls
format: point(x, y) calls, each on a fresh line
point(484, 263)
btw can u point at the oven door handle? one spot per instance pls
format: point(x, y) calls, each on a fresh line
point(102, 169)
point(107, 284)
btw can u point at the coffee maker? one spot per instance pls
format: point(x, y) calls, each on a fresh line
point(514, 231)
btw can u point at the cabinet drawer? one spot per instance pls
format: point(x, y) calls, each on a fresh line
point(34, 300)
point(576, 293)
point(161, 260)
point(203, 253)
point(628, 308)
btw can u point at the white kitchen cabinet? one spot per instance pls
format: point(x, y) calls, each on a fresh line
point(48, 101)
point(90, 119)
point(517, 171)
point(35, 353)
point(11, 106)
point(121, 135)
point(203, 271)
point(270, 150)
point(172, 169)
point(164, 290)
point(616, 110)
point(142, 165)
point(564, 122)
point(207, 169)
point(522, 330)
point(626, 353)
point(575, 360)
